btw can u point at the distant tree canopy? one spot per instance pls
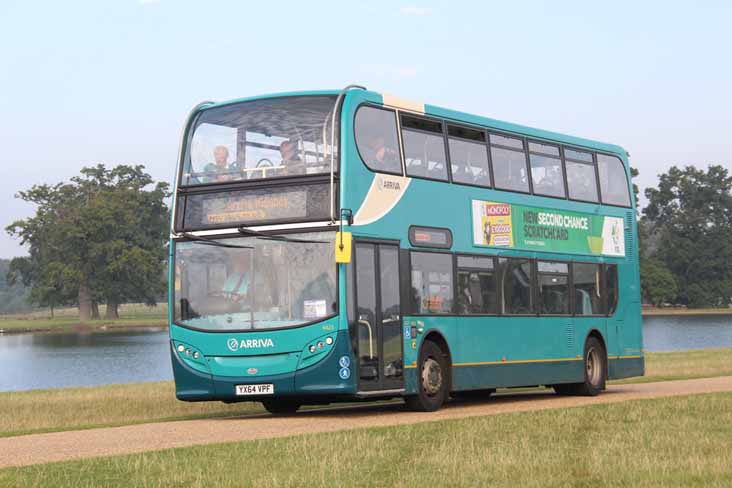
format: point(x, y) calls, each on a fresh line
point(99, 238)
point(14, 296)
point(688, 234)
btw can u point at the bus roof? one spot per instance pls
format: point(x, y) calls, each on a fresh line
point(454, 115)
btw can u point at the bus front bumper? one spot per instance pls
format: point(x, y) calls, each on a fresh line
point(323, 379)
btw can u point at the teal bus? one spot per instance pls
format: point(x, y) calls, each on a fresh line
point(349, 245)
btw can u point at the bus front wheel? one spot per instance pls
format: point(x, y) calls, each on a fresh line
point(281, 407)
point(433, 379)
point(595, 371)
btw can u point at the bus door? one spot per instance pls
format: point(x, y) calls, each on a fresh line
point(379, 323)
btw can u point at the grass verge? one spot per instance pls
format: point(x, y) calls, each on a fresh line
point(681, 441)
point(131, 315)
point(27, 412)
point(81, 408)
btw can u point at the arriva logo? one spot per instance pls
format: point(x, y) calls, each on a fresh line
point(234, 344)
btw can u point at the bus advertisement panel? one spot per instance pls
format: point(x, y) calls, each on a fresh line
point(497, 224)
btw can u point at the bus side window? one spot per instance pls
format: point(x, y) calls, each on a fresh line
point(468, 156)
point(432, 287)
point(553, 281)
point(509, 163)
point(587, 290)
point(476, 290)
point(424, 148)
point(517, 282)
point(376, 139)
point(613, 182)
point(547, 174)
point(581, 178)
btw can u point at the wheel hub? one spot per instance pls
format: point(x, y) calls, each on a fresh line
point(594, 366)
point(431, 376)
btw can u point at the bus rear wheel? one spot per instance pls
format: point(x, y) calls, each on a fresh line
point(433, 379)
point(281, 407)
point(595, 371)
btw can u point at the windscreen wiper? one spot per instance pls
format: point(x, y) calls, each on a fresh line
point(212, 242)
point(275, 237)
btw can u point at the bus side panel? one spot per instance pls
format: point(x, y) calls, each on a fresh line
point(515, 351)
point(485, 376)
point(631, 361)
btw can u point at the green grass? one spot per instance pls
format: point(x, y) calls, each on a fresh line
point(682, 365)
point(34, 411)
point(680, 441)
point(131, 315)
point(81, 408)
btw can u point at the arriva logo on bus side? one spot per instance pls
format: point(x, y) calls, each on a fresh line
point(234, 344)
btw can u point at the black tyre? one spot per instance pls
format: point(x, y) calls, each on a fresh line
point(433, 379)
point(281, 407)
point(595, 371)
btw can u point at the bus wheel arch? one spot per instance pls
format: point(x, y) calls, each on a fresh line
point(434, 374)
point(594, 368)
point(598, 335)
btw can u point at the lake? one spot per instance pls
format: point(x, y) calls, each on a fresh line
point(58, 360)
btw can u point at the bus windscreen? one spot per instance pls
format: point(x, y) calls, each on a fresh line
point(260, 139)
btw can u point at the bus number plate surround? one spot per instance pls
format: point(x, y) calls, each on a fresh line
point(263, 389)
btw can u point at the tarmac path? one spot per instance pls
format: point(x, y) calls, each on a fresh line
point(112, 441)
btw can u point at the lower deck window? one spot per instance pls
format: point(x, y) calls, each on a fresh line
point(476, 286)
point(432, 287)
point(516, 277)
point(588, 298)
point(553, 281)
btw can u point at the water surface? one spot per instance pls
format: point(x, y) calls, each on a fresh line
point(58, 360)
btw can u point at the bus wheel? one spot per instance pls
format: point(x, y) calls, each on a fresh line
point(595, 372)
point(281, 407)
point(433, 379)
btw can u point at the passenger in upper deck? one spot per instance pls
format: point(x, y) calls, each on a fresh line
point(290, 159)
point(220, 166)
point(382, 155)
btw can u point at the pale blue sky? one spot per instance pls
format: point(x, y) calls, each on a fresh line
point(111, 81)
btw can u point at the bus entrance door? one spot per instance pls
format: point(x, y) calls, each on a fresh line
point(379, 327)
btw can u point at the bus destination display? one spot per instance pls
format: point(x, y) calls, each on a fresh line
point(264, 205)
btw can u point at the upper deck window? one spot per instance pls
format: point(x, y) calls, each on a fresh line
point(509, 163)
point(376, 139)
point(547, 174)
point(260, 139)
point(613, 182)
point(468, 156)
point(581, 177)
point(424, 148)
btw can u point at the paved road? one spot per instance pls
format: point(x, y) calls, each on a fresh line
point(61, 446)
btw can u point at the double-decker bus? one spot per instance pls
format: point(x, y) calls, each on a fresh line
point(349, 245)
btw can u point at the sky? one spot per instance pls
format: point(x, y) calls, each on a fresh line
point(86, 82)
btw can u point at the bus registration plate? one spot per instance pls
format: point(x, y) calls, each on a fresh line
point(264, 389)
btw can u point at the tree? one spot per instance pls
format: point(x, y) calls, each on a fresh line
point(636, 192)
point(101, 235)
point(14, 296)
point(691, 214)
point(657, 283)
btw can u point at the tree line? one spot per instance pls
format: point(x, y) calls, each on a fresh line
point(686, 238)
point(100, 239)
